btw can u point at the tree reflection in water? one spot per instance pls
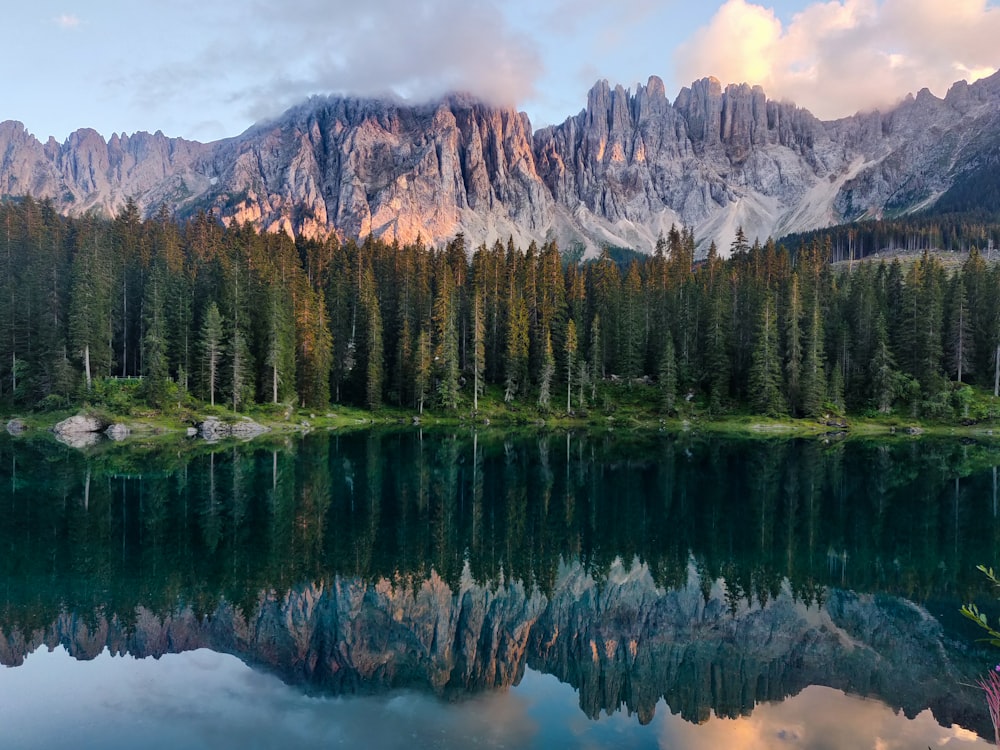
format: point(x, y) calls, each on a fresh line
point(709, 574)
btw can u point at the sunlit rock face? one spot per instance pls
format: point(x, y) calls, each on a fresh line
point(351, 167)
point(88, 173)
point(399, 172)
point(620, 172)
point(619, 640)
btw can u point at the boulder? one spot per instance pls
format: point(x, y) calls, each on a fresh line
point(247, 429)
point(212, 429)
point(16, 426)
point(80, 424)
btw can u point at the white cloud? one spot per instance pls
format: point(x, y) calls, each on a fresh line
point(842, 56)
point(277, 54)
point(66, 21)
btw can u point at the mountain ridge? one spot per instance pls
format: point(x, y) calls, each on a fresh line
point(620, 172)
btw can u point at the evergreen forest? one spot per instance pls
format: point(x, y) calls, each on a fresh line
point(234, 317)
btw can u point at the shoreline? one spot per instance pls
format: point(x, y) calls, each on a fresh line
point(153, 425)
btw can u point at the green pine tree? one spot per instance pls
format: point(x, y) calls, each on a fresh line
point(548, 372)
point(668, 375)
point(211, 350)
point(765, 366)
point(571, 348)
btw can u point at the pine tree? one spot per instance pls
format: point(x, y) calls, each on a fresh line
point(90, 303)
point(606, 296)
point(571, 346)
point(716, 357)
point(960, 340)
point(633, 339)
point(517, 349)
point(478, 349)
point(156, 374)
point(976, 278)
point(668, 375)
point(373, 347)
point(740, 245)
point(133, 253)
point(930, 321)
point(765, 367)
point(446, 349)
point(813, 371)
point(404, 373)
point(548, 372)
point(211, 349)
point(279, 357)
point(238, 361)
point(422, 376)
point(882, 369)
point(793, 345)
point(594, 366)
point(313, 347)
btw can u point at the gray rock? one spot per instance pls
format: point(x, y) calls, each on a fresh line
point(192, 431)
point(247, 429)
point(117, 431)
point(16, 426)
point(80, 424)
point(213, 429)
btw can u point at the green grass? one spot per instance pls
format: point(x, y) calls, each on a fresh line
point(611, 405)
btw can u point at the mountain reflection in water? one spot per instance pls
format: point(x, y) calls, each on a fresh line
point(707, 575)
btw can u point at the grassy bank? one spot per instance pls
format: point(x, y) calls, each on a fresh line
point(611, 406)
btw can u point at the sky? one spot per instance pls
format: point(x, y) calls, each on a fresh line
point(208, 69)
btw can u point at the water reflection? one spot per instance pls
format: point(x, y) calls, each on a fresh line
point(201, 699)
point(708, 575)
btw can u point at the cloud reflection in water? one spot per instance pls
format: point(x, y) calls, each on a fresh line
point(202, 699)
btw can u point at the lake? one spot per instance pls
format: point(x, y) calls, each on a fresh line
point(501, 589)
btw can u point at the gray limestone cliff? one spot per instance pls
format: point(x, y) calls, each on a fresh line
point(620, 172)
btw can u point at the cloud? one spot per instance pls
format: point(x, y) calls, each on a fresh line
point(66, 21)
point(277, 54)
point(839, 57)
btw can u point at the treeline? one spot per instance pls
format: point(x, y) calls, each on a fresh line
point(956, 232)
point(233, 316)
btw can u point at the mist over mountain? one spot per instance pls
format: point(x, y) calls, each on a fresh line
point(621, 171)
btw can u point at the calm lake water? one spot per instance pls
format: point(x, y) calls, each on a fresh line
point(434, 589)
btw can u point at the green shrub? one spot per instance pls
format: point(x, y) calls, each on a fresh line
point(54, 402)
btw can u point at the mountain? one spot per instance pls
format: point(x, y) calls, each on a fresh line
point(618, 173)
point(621, 642)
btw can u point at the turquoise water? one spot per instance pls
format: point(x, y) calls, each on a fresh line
point(518, 590)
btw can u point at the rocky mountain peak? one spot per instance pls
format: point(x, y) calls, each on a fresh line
point(623, 170)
